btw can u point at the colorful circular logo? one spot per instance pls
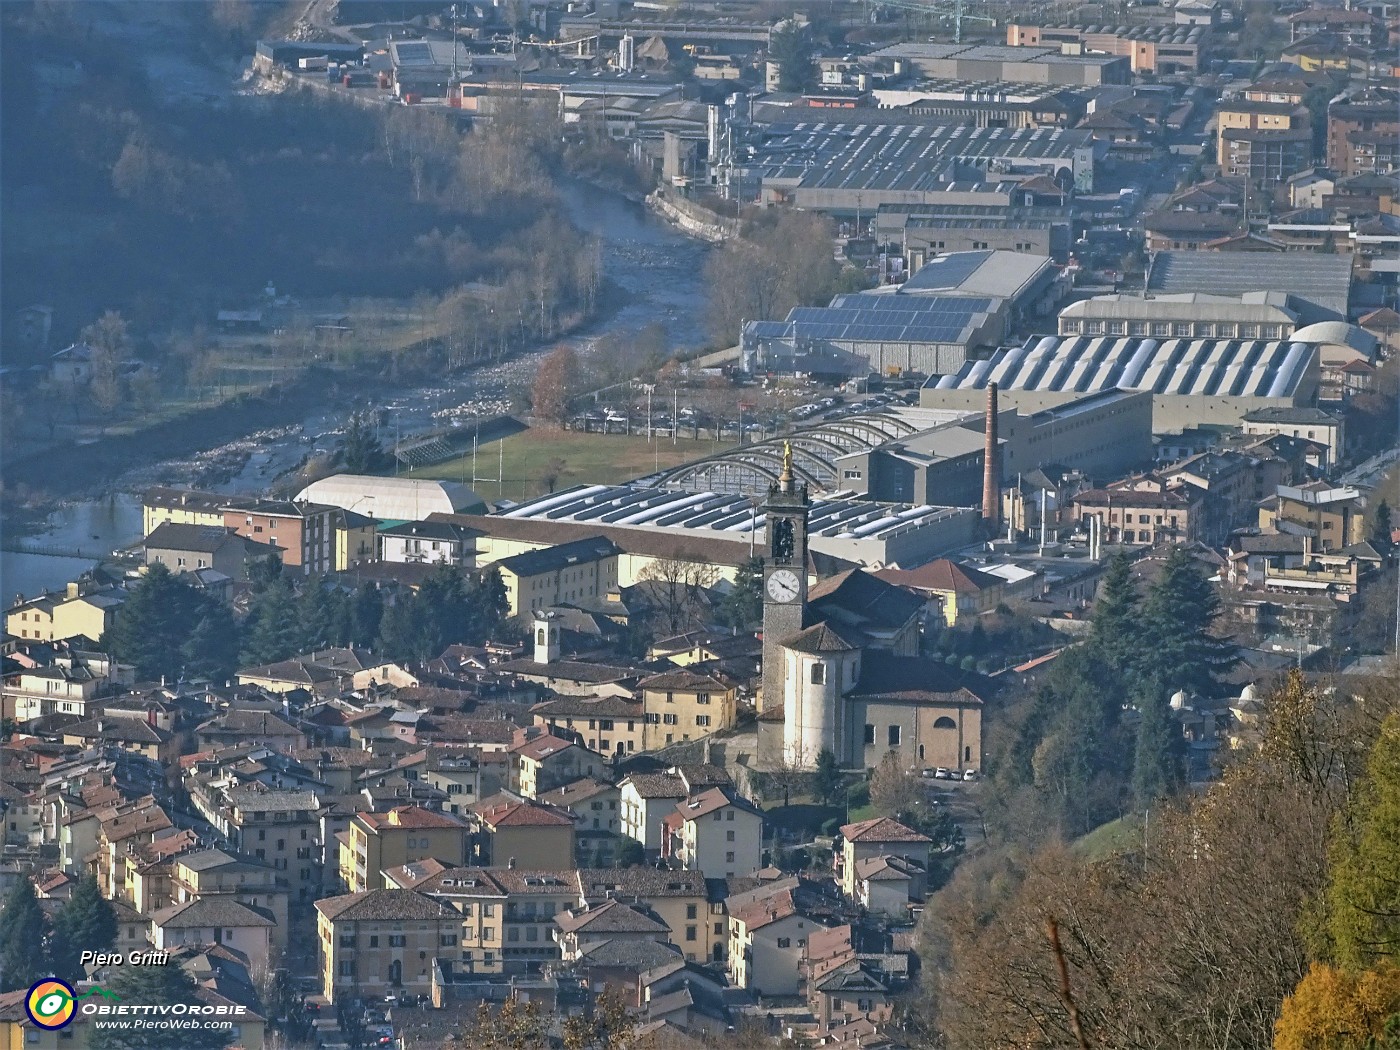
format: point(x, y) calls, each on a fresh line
point(50, 1003)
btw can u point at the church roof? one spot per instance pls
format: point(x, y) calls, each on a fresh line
point(819, 638)
point(915, 680)
point(864, 601)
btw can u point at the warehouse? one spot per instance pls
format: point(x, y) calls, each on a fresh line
point(1193, 382)
point(1254, 315)
point(651, 525)
point(850, 169)
point(954, 303)
point(1318, 285)
point(392, 499)
point(1033, 65)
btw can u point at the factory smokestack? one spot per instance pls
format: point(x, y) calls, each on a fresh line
point(991, 470)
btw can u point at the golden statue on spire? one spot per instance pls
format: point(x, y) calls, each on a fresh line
point(787, 458)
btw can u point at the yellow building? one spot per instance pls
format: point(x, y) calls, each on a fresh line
point(180, 507)
point(877, 837)
point(520, 833)
point(582, 571)
point(375, 841)
point(1333, 513)
point(74, 612)
point(685, 705)
point(355, 539)
point(953, 591)
point(383, 941)
point(606, 724)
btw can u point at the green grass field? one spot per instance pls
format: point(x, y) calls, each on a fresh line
point(592, 459)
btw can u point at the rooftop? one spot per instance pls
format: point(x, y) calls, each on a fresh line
point(385, 906)
point(1320, 283)
point(881, 829)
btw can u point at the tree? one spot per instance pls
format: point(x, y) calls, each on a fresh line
point(607, 1026)
point(677, 590)
point(366, 610)
point(630, 853)
point(110, 343)
point(553, 386)
point(742, 607)
point(86, 922)
point(360, 448)
point(791, 49)
point(829, 784)
point(893, 791)
point(515, 1025)
point(23, 957)
point(157, 986)
point(403, 630)
point(1337, 1009)
point(1364, 893)
point(1115, 632)
point(272, 631)
point(166, 627)
point(1156, 765)
point(1177, 647)
point(1381, 527)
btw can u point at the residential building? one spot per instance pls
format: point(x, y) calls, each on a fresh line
point(585, 928)
point(876, 838)
point(1143, 510)
point(512, 831)
point(247, 726)
point(215, 920)
point(303, 533)
point(457, 772)
point(74, 684)
point(1363, 138)
point(223, 873)
point(609, 725)
point(180, 507)
point(767, 937)
point(718, 833)
point(281, 828)
point(376, 841)
point(543, 762)
point(428, 543)
point(383, 942)
point(1351, 26)
point(686, 705)
point(356, 539)
point(952, 591)
point(188, 548)
point(647, 799)
point(1264, 142)
point(679, 899)
point(1333, 515)
point(131, 735)
point(1312, 424)
point(79, 612)
point(594, 805)
point(580, 572)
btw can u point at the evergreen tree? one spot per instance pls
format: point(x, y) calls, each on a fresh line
point(742, 607)
point(791, 49)
point(360, 450)
point(153, 626)
point(86, 922)
point(340, 618)
point(211, 650)
point(403, 630)
point(1116, 630)
point(828, 783)
point(1364, 891)
point(1381, 529)
point(1156, 760)
point(366, 610)
point(23, 958)
point(445, 608)
point(158, 986)
point(314, 614)
point(1176, 644)
point(273, 632)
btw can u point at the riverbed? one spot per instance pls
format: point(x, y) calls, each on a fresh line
point(657, 269)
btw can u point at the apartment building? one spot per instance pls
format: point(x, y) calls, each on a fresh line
point(303, 533)
point(1309, 424)
point(584, 928)
point(1333, 515)
point(877, 837)
point(383, 942)
point(767, 936)
point(78, 612)
point(511, 831)
point(686, 705)
point(456, 771)
point(376, 841)
point(181, 507)
point(281, 828)
point(1143, 510)
point(1264, 142)
point(1362, 137)
point(715, 832)
point(679, 899)
point(224, 873)
point(543, 762)
point(582, 571)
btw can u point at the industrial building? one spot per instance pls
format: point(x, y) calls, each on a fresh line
point(392, 499)
point(1043, 65)
point(1318, 285)
point(650, 524)
point(851, 169)
point(1253, 315)
point(1149, 49)
point(953, 303)
point(1193, 382)
point(988, 103)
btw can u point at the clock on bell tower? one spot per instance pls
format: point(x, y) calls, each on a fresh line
point(784, 574)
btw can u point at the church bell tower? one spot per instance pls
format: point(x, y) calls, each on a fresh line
point(784, 574)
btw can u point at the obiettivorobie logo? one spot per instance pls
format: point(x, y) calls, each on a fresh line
point(51, 1003)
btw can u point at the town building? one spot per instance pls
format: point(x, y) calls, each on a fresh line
point(392, 499)
point(187, 548)
point(512, 831)
point(1334, 516)
point(574, 572)
point(78, 612)
point(1047, 64)
point(376, 841)
point(1312, 424)
point(303, 533)
point(1153, 49)
point(715, 832)
point(383, 942)
point(428, 543)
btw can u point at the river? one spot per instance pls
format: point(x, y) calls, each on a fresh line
point(657, 267)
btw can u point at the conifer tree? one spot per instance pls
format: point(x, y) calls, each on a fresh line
point(158, 986)
point(86, 922)
point(23, 956)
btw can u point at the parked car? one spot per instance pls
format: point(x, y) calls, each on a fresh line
point(942, 774)
point(969, 774)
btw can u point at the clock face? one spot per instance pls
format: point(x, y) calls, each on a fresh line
point(783, 585)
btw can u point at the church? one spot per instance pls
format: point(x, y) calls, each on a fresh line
point(841, 669)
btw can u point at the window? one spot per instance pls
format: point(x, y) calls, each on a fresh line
point(894, 736)
point(719, 929)
point(702, 720)
point(1181, 330)
point(702, 698)
point(851, 475)
point(671, 720)
point(729, 836)
point(513, 934)
point(784, 942)
point(346, 968)
point(396, 940)
point(347, 940)
point(729, 858)
point(690, 933)
point(818, 674)
point(869, 733)
point(1116, 328)
point(1093, 328)
point(448, 940)
point(1069, 327)
point(488, 933)
point(1137, 327)
point(1161, 328)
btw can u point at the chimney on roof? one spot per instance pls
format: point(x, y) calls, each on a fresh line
point(991, 470)
point(510, 864)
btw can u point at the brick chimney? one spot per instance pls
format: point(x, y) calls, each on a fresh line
point(991, 470)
